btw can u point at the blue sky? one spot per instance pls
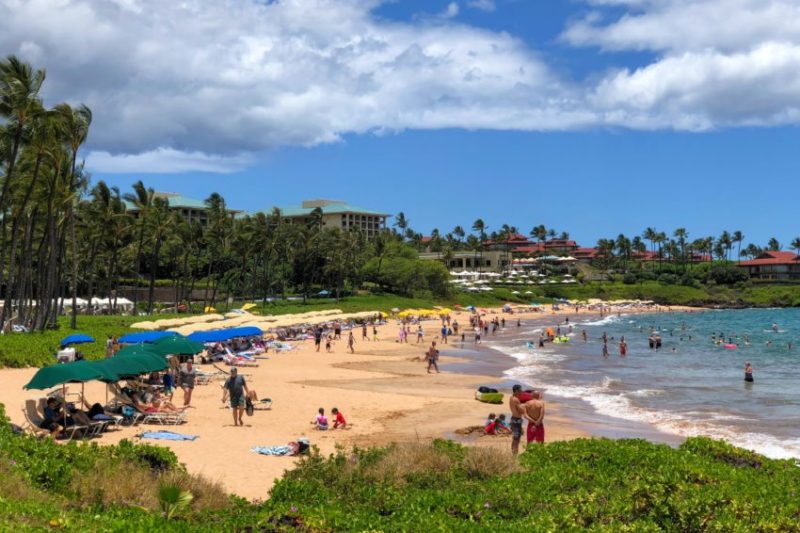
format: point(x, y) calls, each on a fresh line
point(595, 117)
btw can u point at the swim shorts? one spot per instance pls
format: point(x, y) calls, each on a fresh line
point(516, 427)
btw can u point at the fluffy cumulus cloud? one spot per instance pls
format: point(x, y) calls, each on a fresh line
point(483, 5)
point(719, 63)
point(195, 84)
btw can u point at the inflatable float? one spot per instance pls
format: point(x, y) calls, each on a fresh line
point(487, 395)
point(561, 340)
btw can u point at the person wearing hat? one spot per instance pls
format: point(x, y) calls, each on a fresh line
point(236, 388)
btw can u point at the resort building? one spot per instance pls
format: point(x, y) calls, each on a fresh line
point(337, 214)
point(191, 209)
point(773, 265)
point(488, 261)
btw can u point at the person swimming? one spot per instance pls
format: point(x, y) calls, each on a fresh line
point(748, 372)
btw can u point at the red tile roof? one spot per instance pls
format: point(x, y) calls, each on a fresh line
point(772, 258)
point(585, 253)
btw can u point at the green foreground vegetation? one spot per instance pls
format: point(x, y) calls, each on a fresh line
point(594, 484)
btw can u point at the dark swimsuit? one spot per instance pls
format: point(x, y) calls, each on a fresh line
point(748, 376)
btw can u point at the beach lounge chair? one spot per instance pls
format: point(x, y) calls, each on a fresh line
point(164, 418)
point(232, 360)
point(33, 415)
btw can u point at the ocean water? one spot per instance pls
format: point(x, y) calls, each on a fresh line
point(690, 387)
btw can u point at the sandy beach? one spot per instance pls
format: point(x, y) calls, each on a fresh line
point(383, 390)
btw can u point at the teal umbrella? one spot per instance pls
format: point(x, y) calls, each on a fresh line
point(176, 346)
point(118, 368)
point(144, 358)
point(75, 372)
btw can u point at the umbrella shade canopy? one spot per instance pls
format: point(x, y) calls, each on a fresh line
point(224, 334)
point(177, 346)
point(137, 350)
point(76, 372)
point(77, 338)
point(147, 336)
point(247, 307)
point(118, 368)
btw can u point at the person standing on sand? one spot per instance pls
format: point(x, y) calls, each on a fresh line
point(318, 337)
point(364, 336)
point(534, 413)
point(433, 357)
point(748, 372)
point(517, 414)
point(351, 342)
point(187, 378)
point(444, 334)
point(375, 333)
point(236, 388)
point(477, 335)
point(420, 334)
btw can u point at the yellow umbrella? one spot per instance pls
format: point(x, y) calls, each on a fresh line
point(247, 307)
point(209, 309)
point(149, 326)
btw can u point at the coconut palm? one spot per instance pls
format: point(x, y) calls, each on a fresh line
point(142, 200)
point(737, 238)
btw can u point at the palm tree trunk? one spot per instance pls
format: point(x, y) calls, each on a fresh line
point(154, 268)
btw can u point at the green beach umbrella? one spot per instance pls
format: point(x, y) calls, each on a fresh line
point(75, 372)
point(177, 346)
point(145, 357)
point(118, 368)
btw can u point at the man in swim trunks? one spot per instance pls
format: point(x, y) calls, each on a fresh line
point(517, 414)
point(534, 412)
point(236, 388)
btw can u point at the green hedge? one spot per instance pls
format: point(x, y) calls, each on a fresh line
point(594, 484)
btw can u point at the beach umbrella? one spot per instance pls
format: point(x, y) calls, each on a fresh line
point(75, 372)
point(148, 336)
point(177, 346)
point(118, 368)
point(77, 338)
point(144, 325)
point(247, 307)
point(209, 309)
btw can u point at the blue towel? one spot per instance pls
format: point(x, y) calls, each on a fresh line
point(273, 450)
point(167, 435)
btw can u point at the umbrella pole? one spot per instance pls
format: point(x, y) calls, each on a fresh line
point(64, 403)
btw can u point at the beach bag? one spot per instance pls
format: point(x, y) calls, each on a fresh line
point(486, 389)
point(249, 408)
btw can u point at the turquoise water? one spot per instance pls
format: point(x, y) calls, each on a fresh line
point(692, 386)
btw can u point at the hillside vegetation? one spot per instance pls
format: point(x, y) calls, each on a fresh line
point(594, 484)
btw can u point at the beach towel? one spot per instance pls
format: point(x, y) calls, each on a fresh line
point(273, 450)
point(167, 435)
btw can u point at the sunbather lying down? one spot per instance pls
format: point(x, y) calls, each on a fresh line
point(158, 404)
point(298, 447)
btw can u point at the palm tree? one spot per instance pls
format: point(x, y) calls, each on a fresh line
point(737, 238)
point(142, 199)
point(480, 227)
point(160, 224)
point(681, 234)
point(76, 125)
point(401, 223)
point(773, 245)
point(796, 245)
point(458, 231)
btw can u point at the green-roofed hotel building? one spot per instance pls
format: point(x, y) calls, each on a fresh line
point(191, 209)
point(337, 214)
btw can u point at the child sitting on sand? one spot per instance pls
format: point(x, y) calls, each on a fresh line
point(321, 421)
point(496, 425)
point(339, 421)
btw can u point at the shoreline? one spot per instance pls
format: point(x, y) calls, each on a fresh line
point(382, 389)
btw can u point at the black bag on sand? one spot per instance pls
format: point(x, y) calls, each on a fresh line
point(248, 407)
point(486, 389)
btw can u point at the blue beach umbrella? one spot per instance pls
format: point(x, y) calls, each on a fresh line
point(145, 336)
point(77, 338)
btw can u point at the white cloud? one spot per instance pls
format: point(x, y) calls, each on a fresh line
point(165, 161)
point(450, 11)
point(483, 5)
point(196, 84)
point(721, 63)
